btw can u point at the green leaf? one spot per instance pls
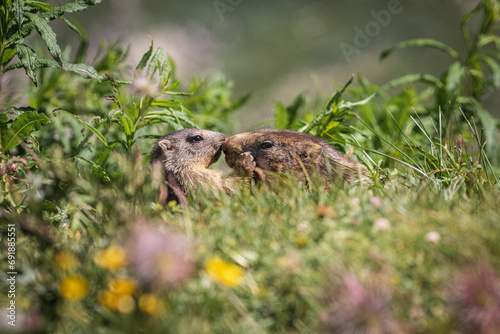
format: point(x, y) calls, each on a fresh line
point(48, 35)
point(454, 76)
point(285, 116)
point(50, 15)
point(349, 105)
point(16, 110)
point(21, 128)
point(495, 70)
point(411, 78)
point(328, 109)
point(28, 61)
point(420, 42)
point(155, 63)
point(168, 104)
point(280, 116)
point(83, 70)
point(40, 5)
point(18, 7)
point(127, 126)
point(94, 130)
point(160, 119)
point(144, 60)
point(98, 170)
point(7, 56)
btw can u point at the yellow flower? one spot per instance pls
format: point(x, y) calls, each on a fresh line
point(111, 258)
point(65, 261)
point(118, 296)
point(122, 286)
point(223, 272)
point(150, 304)
point(301, 241)
point(74, 287)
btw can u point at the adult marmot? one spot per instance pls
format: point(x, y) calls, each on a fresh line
point(185, 156)
point(259, 152)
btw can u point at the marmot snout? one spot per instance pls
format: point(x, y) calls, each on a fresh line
point(185, 156)
point(281, 151)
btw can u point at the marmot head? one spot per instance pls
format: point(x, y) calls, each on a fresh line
point(275, 150)
point(188, 149)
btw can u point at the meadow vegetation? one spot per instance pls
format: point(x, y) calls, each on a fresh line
point(417, 250)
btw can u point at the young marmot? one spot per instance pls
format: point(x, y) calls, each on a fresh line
point(278, 151)
point(185, 156)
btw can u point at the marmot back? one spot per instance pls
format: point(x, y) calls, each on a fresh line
point(185, 156)
point(282, 151)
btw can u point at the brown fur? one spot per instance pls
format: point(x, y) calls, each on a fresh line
point(280, 151)
point(185, 156)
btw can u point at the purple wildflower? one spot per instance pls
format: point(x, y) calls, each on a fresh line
point(159, 256)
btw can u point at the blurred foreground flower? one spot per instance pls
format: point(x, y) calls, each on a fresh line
point(159, 256)
point(150, 304)
point(112, 258)
point(74, 287)
point(476, 300)
point(433, 237)
point(359, 309)
point(65, 261)
point(223, 272)
point(118, 297)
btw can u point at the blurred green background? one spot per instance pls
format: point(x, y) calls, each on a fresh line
point(276, 50)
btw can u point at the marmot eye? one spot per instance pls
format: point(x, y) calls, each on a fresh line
point(266, 145)
point(196, 139)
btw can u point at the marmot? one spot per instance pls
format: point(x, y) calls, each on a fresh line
point(185, 156)
point(278, 151)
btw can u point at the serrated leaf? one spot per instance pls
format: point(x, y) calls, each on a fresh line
point(18, 8)
point(48, 35)
point(82, 69)
point(50, 15)
point(28, 61)
point(454, 76)
point(164, 73)
point(144, 60)
point(155, 63)
point(16, 110)
point(21, 128)
point(420, 42)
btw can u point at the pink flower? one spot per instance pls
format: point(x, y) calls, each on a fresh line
point(433, 237)
point(382, 224)
point(360, 309)
point(159, 256)
point(476, 300)
point(376, 201)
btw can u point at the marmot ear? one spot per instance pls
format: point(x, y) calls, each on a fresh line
point(165, 144)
